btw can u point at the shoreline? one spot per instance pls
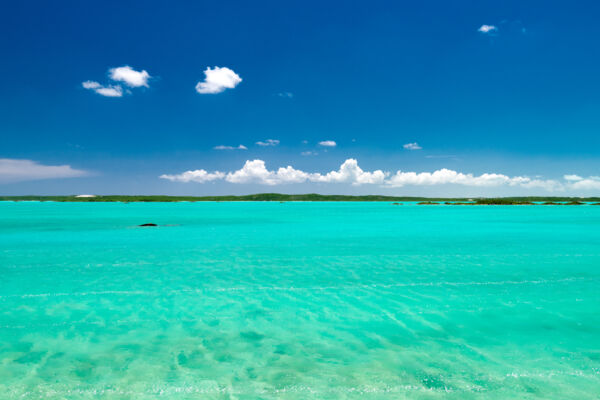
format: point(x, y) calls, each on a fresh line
point(309, 198)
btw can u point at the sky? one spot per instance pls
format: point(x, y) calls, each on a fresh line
point(427, 98)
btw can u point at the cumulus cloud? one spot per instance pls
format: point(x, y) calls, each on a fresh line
point(222, 147)
point(350, 172)
point(287, 95)
point(17, 170)
point(487, 29)
point(327, 143)
point(255, 171)
point(129, 76)
point(107, 91)
point(199, 176)
point(125, 74)
point(447, 176)
point(412, 146)
point(268, 142)
point(579, 183)
point(217, 80)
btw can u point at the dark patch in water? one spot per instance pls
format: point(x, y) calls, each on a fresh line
point(31, 357)
point(84, 369)
point(194, 359)
point(433, 382)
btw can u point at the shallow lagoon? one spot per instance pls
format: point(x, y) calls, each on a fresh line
point(298, 301)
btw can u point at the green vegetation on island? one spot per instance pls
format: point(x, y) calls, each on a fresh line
point(277, 197)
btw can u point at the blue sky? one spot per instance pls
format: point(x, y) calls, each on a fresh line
point(499, 98)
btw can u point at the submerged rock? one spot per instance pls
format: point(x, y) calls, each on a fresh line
point(150, 224)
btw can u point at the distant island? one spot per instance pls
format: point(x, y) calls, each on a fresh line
point(316, 197)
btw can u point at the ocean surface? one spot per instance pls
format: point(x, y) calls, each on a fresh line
point(299, 301)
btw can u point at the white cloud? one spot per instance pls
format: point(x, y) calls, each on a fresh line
point(287, 95)
point(590, 183)
point(255, 171)
point(268, 142)
point(13, 170)
point(579, 183)
point(573, 178)
point(107, 91)
point(412, 146)
point(126, 74)
point(350, 172)
point(217, 80)
point(199, 176)
point(447, 176)
point(487, 29)
point(328, 143)
point(309, 153)
point(131, 77)
point(110, 91)
point(222, 147)
point(91, 85)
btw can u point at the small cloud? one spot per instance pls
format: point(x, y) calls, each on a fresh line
point(573, 178)
point(91, 85)
point(268, 142)
point(286, 95)
point(217, 80)
point(222, 147)
point(305, 142)
point(106, 91)
point(129, 76)
point(199, 176)
point(412, 146)
point(487, 29)
point(17, 170)
point(126, 74)
point(327, 143)
point(309, 153)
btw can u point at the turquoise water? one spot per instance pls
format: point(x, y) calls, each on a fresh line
point(299, 301)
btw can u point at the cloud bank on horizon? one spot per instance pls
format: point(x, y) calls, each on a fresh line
point(255, 171)
point(19, 170)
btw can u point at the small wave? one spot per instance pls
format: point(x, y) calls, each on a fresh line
point(293, 288)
